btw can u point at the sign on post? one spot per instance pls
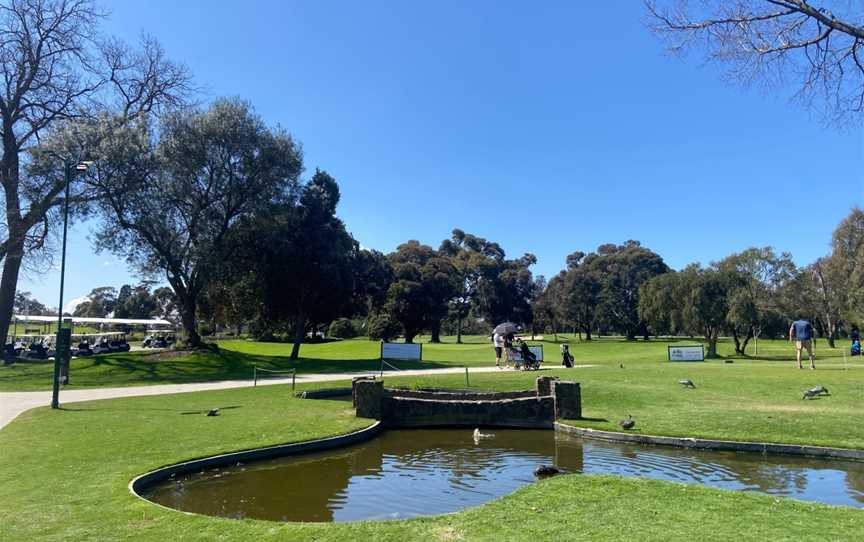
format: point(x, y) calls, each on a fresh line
point(402, 351)
point(687, 353)
point(63, 350)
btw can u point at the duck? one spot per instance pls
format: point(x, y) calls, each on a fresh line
point(687, 383)
point(478, 435)
point(546, 470)
point(213, 412)
point(627, 423)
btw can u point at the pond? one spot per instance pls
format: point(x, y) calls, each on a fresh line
point(413, 472)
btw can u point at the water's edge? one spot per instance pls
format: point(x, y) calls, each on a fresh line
point(141, 483)
point(764, 448)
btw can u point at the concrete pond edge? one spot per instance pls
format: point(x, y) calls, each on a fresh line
point(142, 482)
point(764, 448)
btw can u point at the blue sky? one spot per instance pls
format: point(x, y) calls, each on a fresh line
point(532, 125)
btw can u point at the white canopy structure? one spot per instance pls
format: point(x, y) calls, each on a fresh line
point(78, 320)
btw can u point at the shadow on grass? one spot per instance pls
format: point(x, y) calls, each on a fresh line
point(133, 368)
point(145, 409)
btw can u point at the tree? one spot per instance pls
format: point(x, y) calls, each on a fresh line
point(100, 303)
point(847, 263)
point(58, 70)
point(300, 259)
point(695, 298)
point(580, 292)
point(621, 270)
point(817, 51)
point(757, 276)
point(505, 290)
point(705, 304)
point(208, 170)
point(372, 277)
point(26, 304)
point(661, 304)
point(469, 256)
point(166, 304)
point(423, 284)
point(140, 303)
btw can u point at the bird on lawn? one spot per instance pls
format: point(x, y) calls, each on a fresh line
point(815, 392)
point(213, 412)
point(687, 383)
point(628, 423)
point(621, 365)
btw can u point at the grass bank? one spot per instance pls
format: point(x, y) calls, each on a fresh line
point(64, 476)
point(236, 359)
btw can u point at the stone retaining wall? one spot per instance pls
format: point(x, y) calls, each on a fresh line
point(457, 395)
point(525, 412)
point(552, 399)
point(710, 444)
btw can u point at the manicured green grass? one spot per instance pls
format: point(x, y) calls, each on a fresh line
point(64, 476)
point(236, 359)
point(741, 401)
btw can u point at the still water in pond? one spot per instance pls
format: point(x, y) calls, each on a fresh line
point(406, 473)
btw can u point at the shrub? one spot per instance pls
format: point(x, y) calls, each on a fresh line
point(383, 327)
point(342, 328)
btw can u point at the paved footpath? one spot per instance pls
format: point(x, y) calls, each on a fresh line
point(14, 403)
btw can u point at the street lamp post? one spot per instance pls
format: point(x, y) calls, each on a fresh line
point(69, 171)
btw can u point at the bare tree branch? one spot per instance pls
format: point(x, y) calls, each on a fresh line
point(777, 43)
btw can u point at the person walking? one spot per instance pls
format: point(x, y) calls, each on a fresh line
point(508, 350)
point(498, 342)
point(802, 332)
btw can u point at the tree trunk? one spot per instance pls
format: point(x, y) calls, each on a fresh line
point(187, 317)
point(711, 337)
point(459, 330)
point(436, 332)
point(299, 331)
point(587, 330)
point(738, 349)
point(8, 285)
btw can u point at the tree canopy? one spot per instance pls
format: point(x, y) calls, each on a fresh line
point(168, 200)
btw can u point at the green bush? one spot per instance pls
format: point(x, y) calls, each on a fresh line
point(383, 327)
point(342, 328)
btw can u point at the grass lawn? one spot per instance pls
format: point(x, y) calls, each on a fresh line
point(64, 474)
point(236, 359)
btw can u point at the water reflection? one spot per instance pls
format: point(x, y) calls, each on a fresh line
point(407, 473)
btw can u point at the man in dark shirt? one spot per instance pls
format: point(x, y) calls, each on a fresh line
point(802, 332)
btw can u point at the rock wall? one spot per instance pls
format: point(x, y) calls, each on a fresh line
point(552, 399)
point(568, 399)
point(525, 412)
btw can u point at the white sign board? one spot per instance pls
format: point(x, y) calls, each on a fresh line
point(536, 350)
point(401, 351)
point(686, 353)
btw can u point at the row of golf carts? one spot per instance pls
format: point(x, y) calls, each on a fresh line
point(36, 347)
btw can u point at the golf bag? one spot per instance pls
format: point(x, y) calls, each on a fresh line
point(566, 356)
point(855, 349)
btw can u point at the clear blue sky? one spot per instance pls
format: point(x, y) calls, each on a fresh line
point(530, 124)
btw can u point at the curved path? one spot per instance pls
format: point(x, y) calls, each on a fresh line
point(14, 403)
